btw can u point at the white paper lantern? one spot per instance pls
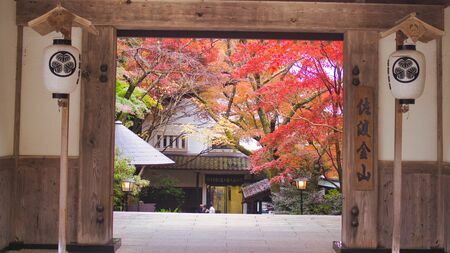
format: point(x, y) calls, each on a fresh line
point(406, 73)
point(61, 68)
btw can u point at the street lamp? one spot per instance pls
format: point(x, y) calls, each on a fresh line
point(61, 75)
point(127, 186)
point(300, 183)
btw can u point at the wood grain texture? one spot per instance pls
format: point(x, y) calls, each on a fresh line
point(419, 205)
point(427, 2)
point(446, 198)
point(63, 105)
point(361, 48)
point(411, 167)
point(36, 203)
point(17, 108)
point(440, 144)
point(397, 176)
point(446, 221)
point(234, 15)
point(97, 137)
point(6, 185)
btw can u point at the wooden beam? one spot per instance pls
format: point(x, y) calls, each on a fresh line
point(97, 137)
point(360, 49)
point(441, 217)
point(419, 2)
point(410, 167)
point(63, 105)
point(397, 174)
point(17, 108)
point(218, 15)
point(397, 181)
point(17, 99)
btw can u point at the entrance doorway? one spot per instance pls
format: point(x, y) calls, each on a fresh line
point(225, 199)
point(220, 169)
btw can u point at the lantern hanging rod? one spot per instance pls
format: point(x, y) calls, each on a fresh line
point(61, 20)
point(414, 28)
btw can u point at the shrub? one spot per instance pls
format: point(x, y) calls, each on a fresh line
point(164, 193)
point(288, 200)
point(124, 170)
point(162, 210)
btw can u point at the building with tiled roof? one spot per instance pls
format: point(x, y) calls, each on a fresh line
point(210, 162)
point(207, 174)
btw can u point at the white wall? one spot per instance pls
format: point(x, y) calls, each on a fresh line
point(420, 124)
point(8, 49)
point(446, 85)
point(40, 118)
point(198, 129)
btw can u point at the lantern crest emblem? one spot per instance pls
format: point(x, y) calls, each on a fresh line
point(62, 64)
point(405, 69)
point(61, 67)
point(406, 73)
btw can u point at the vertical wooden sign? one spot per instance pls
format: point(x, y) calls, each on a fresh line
point(363, 113)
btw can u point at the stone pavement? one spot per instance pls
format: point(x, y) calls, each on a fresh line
point(225, 233)
point(222, 233)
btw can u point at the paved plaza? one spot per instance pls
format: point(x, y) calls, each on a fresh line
point(225, 233)
point(222, 233)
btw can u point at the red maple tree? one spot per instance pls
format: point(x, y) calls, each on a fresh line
point(162, 73)
point(287, 96)
point(278, 101)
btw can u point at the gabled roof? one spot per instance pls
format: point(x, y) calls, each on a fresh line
point(414, 28)
point(135, 149)
point(206, 162)
point(255, 189)
point(61, 20)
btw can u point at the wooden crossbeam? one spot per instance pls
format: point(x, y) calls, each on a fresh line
point(217, 15)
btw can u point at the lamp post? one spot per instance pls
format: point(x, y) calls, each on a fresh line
point(406, 78)
point(300, 183)
point(61, 75)
point(127, 186)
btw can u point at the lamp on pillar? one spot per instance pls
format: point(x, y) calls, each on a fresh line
point(406, 77)
point(61, 72)
point(127, 186)
point(300, 183)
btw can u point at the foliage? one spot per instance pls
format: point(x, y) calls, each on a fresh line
point(176, 210)
point(164, 193)
point(134, 108)
point(288, 200)
point(287, 97)
point(124, 170)
point(284, 96)
point(167, 71)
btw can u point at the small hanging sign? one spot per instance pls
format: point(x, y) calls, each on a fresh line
point(363, 119)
